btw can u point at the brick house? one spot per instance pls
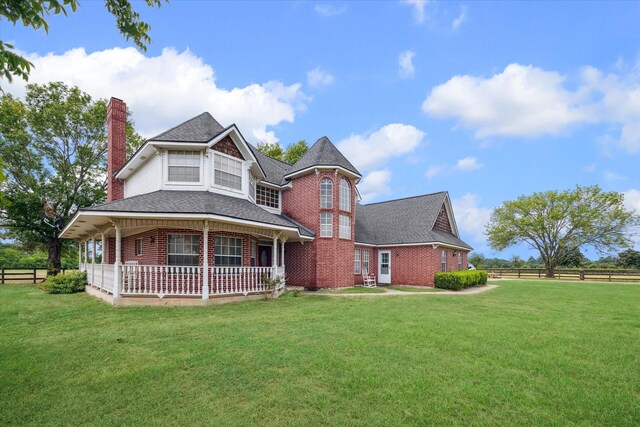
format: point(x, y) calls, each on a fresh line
point(199, 212)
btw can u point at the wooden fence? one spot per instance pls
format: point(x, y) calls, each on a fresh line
point(23, 275)
point(568, 274)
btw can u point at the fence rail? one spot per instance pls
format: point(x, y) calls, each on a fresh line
point(24, 275)
point(540, 273)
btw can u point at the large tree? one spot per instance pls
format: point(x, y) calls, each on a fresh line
point(53, 145)
point(556, 223)
point(34, 13)
point(292, 154)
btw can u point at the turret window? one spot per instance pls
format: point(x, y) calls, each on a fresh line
point(326, 194)
point(184, 166)
point(345, 195)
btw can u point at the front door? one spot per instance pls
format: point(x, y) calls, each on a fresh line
point(264, 256)
point(384, 267)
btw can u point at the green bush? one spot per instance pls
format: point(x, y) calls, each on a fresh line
point(65, 283)
point(457, 280)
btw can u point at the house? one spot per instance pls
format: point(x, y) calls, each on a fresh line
point(199, 212)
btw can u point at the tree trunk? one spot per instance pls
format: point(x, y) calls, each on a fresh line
point(54, 249)
point(550, 270)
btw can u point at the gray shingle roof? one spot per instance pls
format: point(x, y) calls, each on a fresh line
point(275, 170)
point(201, 128)
point(198, 202)
point(403, 221)
point(323, 153)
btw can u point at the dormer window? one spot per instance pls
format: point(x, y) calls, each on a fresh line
point(227, 172)
point(184, 166)
point(345, 195)
point(268, 197)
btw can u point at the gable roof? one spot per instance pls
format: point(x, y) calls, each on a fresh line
point(322, 153)
point(403, 221)
point(197, 202)
point(201, 128)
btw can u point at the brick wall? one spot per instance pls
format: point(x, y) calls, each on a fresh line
point(332, 256)
point(227, 146)
point(116, 147)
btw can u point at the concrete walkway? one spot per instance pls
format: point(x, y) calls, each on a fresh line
point(392, 292)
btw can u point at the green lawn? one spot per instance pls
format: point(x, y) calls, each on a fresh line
point(534, 353)
point(404, 288)
point(356, 290)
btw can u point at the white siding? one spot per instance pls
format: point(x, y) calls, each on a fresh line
point(146, 179)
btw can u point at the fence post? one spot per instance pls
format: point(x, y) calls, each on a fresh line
point(539, 273)
point(35, 276)
point(581, 274)
point(518, 273)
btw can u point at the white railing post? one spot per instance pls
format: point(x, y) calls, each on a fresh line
point(116, 265)
point(102, 261)
point(80, 255)
point(205, 261)
point(93, 261)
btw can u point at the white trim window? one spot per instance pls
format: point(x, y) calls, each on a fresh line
point(252, 186)
point(443, 260)
point(365, 261)
point(357, 265)
point(326, 224)
point(138, 247)
point(345, 227)
point(183, 249)
point(326, 194)
point(228, 252)
point(345, 195)
point(268, 197)
point(227, 172)
point(459, 261)
point(183, 166)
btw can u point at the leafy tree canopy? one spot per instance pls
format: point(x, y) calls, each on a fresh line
point(53, 145)
point(34, 13)
point(558, 222)
point(629, 259)
point(291, 155)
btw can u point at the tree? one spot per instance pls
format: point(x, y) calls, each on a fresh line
point(558, 222)
point(54, 148)
point(629, 259)
point(292, 154)
point(296, 151)
point(33, 13)
point(572, 258)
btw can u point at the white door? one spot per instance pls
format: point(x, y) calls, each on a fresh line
point(384, 267)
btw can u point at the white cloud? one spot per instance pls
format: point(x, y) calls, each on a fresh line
point(435, 170)
point(590, 168)
point(468, 164)
point(418, 9)
point(520, 101)
point(319, 77)
point(367, 151)
point(405, 62)
point(329, 10)
point(460, 19)
point(470, 216)
point(374, 184)
point(166, 89)
point(632, 200)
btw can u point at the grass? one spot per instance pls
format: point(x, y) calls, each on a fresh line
point(356, 290)
point(404, 288)
point(534, 353)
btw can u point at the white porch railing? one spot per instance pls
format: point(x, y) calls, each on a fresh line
point(240, 280)
point(161, 280)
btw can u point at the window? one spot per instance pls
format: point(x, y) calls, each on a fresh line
point(184, 166)
point(345, 227)
point(267, 197)
point(459, 261)
point(326, 194)
point(345, 195)
point(228, 251)
point(444, 260)
point(183, 249)
point(356, 262)
point(253, 254)
point(227, 172)
point(365, 261)
point(252, 186)
point(326, 224)
point(138, 247)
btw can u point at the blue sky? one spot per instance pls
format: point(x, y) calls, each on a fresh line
point(485, 100)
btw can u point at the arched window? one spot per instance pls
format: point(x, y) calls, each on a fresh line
point(326, 193)
point(345, 195)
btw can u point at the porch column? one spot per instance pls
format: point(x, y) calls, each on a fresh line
point(116, 264)
point(80, 255)
point(274, 257)
point(93, 261)
point(283, 240)
point(205, 261)
point(86, 252)
point(102, 245)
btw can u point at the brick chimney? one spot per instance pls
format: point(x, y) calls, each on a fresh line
point(116, 148)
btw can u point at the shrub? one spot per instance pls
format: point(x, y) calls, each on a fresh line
point(65, 283)
point(457, 280)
